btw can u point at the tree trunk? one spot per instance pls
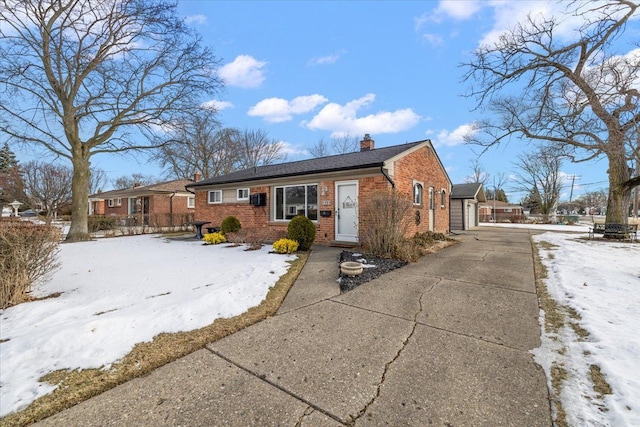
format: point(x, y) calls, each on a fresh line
point(79, 230)
point(618, 202)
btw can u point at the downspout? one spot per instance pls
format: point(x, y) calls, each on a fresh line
point(171, 208)
point(386, 175)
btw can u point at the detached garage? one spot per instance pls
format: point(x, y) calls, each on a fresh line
point(464, 205)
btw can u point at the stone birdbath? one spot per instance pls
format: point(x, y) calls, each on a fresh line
point(351, 268)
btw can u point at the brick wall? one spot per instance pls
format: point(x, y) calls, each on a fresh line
point(422, 165)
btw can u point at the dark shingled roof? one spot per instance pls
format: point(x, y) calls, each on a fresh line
point(349, 161)
point(174, 186)
point(468, 191)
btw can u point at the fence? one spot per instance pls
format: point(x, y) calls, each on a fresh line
point(503, 217)
point(139, 224)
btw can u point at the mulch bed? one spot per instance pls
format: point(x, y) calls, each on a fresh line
point(373, 268)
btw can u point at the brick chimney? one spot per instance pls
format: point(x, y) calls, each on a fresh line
point(197, 177)
point(367, 143)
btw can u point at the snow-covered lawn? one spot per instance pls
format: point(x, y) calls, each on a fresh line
point(600, 280)
point(121, 291)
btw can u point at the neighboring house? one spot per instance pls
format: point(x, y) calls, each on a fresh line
point(465, 205)
point(157, 205)
point(497, 211)
point(328, 191)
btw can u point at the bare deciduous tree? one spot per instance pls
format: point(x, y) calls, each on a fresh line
point(580, 96)
point(133, 180)
point(48, 186)
point(82, 77)
point(538, 174)
point(255, 148)
point(320, 149)
point(97, 180)
point(345, 144)
point(198, 143)
point(478, 173)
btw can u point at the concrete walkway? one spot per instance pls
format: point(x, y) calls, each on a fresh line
point(441, 342)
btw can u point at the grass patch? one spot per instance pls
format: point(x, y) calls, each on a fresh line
point(547, 245)
point(554, 318)
point(581, 332)
point(79, 385)
point(600, 384)
point(558, 376)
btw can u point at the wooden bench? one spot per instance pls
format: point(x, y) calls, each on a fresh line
point(616, 231)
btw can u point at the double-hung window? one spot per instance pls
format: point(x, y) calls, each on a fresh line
point(215, 196)
point(295, 200)
point(243, 194)
point(191, 202)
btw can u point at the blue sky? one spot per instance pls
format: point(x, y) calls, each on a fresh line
point(306, 70)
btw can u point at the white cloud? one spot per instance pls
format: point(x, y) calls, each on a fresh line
point(342, 119)
point(292, 151)
point(329, 59)
point(456, 137)
point(432, 39)
point(278, 110)
point(195, 19)
point(217, 105)
point(508, 13)
point(456, 9)
point(245, 71)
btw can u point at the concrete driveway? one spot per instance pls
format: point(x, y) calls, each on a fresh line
point(444, 341)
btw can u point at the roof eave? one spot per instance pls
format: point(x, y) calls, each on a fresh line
point(285, 175)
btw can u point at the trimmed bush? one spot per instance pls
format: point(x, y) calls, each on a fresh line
point(98, 223)
point(230, 224)
point(29, 252)
point(303, 231)
point(285, 246)
point(214, 238)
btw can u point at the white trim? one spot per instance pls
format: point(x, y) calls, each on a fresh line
point(214, 202)
point(243, 198)
point(413, 192)
point(286, 210)
point(345, 237)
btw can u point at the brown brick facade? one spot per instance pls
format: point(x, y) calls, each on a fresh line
point(421, 165)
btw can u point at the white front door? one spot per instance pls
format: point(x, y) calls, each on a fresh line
point(347, 211)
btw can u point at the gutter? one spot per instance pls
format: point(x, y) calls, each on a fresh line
point(386, 175)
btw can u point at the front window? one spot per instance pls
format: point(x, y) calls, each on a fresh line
point(296, 200)
point(131, 205)
point(215, 196)
point(110, 203)
point(417, 193)
point(243, 194)
point(191, 202)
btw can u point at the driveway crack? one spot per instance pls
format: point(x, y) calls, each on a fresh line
point(405, 342)
point(304, 415)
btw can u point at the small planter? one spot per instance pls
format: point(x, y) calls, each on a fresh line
point(351, 268)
